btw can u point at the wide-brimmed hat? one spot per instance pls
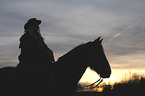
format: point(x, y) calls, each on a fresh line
point(32, 21)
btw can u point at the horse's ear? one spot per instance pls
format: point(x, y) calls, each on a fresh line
point(101, 40)
point(98, 39)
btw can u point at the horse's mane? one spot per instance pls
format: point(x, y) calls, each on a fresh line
point(74, 51)
point(77, 49)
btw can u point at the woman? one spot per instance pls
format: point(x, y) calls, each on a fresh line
point(36, 58)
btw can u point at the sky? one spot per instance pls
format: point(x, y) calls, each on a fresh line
point(68, 23)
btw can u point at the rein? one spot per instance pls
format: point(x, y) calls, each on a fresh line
point(91, 86)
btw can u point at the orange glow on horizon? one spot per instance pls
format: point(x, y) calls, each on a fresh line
point(117, 75)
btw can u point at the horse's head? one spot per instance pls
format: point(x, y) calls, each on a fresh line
point(96, 58)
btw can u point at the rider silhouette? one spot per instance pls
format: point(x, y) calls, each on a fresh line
point(36, 58)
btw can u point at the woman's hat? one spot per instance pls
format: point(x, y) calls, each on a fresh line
point(32, 21)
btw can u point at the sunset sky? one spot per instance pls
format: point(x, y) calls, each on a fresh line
point(68, 23)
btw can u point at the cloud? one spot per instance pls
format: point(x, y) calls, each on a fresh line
point(130, 42)
point(68, 23)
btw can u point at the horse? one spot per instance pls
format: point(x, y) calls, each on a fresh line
point(67, 70)
point(70, 67)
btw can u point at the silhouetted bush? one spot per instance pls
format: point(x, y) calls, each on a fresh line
point(135, 85)
point(132, 85)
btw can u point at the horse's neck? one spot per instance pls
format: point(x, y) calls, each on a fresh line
point(72, 67)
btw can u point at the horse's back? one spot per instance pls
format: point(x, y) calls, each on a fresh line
point(8, 81)
point(7, 72)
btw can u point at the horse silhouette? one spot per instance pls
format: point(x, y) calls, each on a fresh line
point(68, 70)
point(70, 67)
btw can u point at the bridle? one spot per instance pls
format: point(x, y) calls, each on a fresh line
point(92, 86)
